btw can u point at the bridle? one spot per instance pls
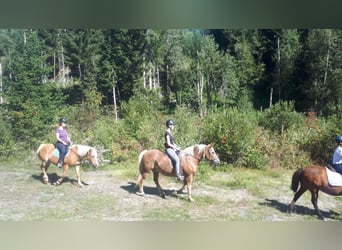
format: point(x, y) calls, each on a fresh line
point(210, 155)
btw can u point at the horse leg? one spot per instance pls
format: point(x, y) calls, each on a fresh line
point(314, 198)
point(181, 190)
point(140, 184)
point(65, 172)
point(296, 197)
point(156, 181)
point(44, 166)
point(78, 175)
point(189, 186)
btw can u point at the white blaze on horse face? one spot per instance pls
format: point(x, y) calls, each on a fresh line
point(213, 156)
point(93, 158)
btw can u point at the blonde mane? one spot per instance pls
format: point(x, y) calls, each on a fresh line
point(82, 150)
point(190, 150)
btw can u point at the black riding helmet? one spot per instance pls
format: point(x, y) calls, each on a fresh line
point(62, 120)
point(170, 122)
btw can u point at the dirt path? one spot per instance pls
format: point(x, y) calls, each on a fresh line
point(107, 196)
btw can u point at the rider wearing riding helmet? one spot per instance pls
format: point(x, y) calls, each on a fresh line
point(63, 141)
point(337, 157)
point(171, 148)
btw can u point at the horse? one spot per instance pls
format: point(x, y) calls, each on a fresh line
point(47, 154)
point(313, 178)
point(159, 163)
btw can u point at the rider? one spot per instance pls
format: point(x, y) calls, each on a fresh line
point(63, 141)
point(171, 148)
point(337, 157)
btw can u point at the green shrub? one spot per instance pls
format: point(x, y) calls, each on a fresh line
point(234, 137)
point(188, 127)
point(7, 145)
point(280, 117)
point(321, 145)
point(143, 111)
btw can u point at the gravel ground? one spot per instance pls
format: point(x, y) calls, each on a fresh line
point(107, 196)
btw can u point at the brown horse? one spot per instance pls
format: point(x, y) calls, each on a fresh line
point(312, 178)
point(47, 154)
point(159, 163)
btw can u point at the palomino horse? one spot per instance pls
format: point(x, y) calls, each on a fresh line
point(312, 178)
point(159, 163)
point(75, 156)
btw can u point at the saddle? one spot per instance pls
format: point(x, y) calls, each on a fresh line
point(334, 178)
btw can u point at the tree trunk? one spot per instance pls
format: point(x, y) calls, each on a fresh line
point(279, 78)
point(1, 100)
point(63, 67)
point(114, 96)
point(271, 96)
point(115, 109)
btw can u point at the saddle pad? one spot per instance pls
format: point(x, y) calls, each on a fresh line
point(334, 178)
point(56, 153)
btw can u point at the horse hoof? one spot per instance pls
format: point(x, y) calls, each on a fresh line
point(174, 194)
point(140, 193)
point(191, 199)
point(57, 183)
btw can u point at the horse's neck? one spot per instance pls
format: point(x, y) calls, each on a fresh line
point(190, 151)
point(82, 150)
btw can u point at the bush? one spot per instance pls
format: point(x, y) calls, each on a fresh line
point(234, 137)
point(188, 127)
point(280, 117)
point(7, 145)
point(321, 145)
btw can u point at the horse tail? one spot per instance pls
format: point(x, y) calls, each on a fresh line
point(296, 178)
point(39, 149)
point(140, 177)
point(141, 155)
point(43, 152)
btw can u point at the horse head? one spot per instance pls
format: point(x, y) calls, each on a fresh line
point(87, 152)
point(211, 155)
point(92, 157)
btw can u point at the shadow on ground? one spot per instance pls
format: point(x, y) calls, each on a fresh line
point(285, 208)
point(132, 188)
point(53, 177)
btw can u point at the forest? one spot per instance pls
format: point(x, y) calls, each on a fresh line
point(264, 97)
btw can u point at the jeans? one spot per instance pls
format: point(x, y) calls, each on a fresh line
point(338, 168)
point(174, 158)
point(63, 150)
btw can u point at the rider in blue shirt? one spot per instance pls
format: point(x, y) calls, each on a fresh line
point(337, 157)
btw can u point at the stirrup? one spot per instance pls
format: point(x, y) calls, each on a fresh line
point(180, 178)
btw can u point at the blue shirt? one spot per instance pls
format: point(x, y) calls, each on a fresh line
point(337, 157)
